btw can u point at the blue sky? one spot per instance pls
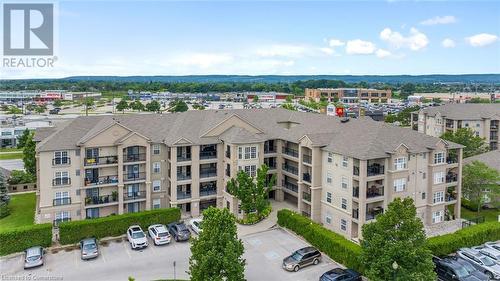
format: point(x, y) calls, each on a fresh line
point(278, 37)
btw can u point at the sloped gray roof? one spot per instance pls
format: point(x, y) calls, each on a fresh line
point(465, 111)
point(490, 158)
point(361, 138)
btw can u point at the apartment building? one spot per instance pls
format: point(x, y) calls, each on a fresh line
point(349, 95)
point(483, 119)
point(340, 172)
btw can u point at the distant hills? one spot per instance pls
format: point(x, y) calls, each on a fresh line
point(391, 79)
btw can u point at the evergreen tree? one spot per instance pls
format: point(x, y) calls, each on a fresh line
point(29, 156)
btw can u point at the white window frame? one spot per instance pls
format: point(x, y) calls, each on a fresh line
point(61, 154)
point(251, 170)
point(344, 183)
point(400, 185)
point(156, 149)
point(329, 197)
point(343, 204)
point(439, 177)
point(328, 219)
point(345, 161)
point(330, 157)
point(156, 167)
point(343, 225)
point(439, 158)
point(438, 216)
point(156, 185)
point(438, 197)
point(156, 203)
point(329, 178)
point(400, 163)
point(63, 215)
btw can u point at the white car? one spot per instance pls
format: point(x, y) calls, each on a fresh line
point(136, 237)
point(159, 234)
point(493, 245)
point(195, 225)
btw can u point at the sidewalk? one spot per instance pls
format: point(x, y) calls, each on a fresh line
point(267, 223)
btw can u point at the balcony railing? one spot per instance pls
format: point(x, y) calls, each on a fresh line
point(374, 170)
point(306, 177)
point(208, 155)
point(451, 160)
point(306, 196)
point(101, 180)
point(61, 181)
point(207, 173)
point(270, 149)
point(183, 195)
point(355, 213)
point(61, 201)
point(183, 157)
point(136, 157)
point(61, 161)
point(290, 151)
point(182, 177)
point(58, 221)
point(141, 194)
point(371, 214)
point(102, 160)
point(451, 178)
point(355, 170)
point(104, 199)
point(290, 186)
point(375, 191)
point(290, 169)
point(134, 176)
point(208, 191)
point(307, 158)
point(450, 197)
point(355, 192)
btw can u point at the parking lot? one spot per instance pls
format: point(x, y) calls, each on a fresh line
point(264, 252)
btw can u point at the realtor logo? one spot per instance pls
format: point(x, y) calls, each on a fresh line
point(28, 29)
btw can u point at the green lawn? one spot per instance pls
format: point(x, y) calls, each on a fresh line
point(11, 149)
point(489, 215)
point(10, 156)
point(22, 211)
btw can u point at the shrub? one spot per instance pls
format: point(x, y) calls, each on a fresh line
point(20, 177)
point(21, 238)
point(74, 231)
point(466, 237)
point(254, 218)
point(469, 205)
point(334, 245)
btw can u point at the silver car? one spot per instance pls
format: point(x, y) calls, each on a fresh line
point(489, 252)
point(89, 248)
point(33, 257)
point(480, 262)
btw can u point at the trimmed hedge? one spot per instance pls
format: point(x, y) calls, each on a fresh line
point(74, 231)
point(334, 245)
point(21, 238)
point(467, 237)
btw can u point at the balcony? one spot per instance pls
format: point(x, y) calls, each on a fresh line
point(306, 177)
point(183, 157)
point(355, 170)
point(97, 200)
point(355, 192)
point(61, 161)
point(61, 201)
point(208, 191)
point(182, 177)
point(113, 179)
point(290, 151)
point(355, 213)
point(270, 149)
point(306, 196)
point(183, 194)
point(451, 177)
point(375, 170)
point(136, 157)
point(451, 160)
point(290, 169)
point(134, 176)
point(307, 158)
point(102, 160)
point(372, 213)
point(208, 173)
point(61, 181)
point(290, 186)
point(134, 195)
point(450, 197)
point(228, 153)
point(375, 191)
point(208, 155)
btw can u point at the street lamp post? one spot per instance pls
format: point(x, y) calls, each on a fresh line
point(395, 266)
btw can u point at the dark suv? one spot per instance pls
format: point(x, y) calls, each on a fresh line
point(457, 269)
point(301, 258)
point(179, 231)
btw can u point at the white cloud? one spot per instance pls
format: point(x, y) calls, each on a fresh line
point(439, 20)
point(359, 47)
point(327, 51)
point(336, 43)
point(381, 53)
point(448, 43)
point(482, 39)
point(282, 51)
point(415, 41)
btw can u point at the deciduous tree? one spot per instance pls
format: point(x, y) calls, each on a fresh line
point(473, 144)
point(29, 155)
point(479, 182)
point(122, 105)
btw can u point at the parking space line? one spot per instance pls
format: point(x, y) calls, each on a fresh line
point(127, 251)
point(103, 257)
point(77, 263)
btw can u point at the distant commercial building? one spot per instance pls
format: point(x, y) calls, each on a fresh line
point(166, 96)
point(461, 97)
point(349, 95)
point(80, 96)
point(267, 97)
point(18, 96)
point(49, 95)
point(483, 119)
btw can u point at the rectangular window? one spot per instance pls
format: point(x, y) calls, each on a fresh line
point(438, 177)
point(439, 158)
point(400, 163)
point(345, 161)
point(77, 172)
point(330, 157)
point(328, 218)
point(61, 158)
point(328, 177)
point(423, 195)
point(247, 152)
point(253, 152)
point(240, 152)
point(343, 225)
point(437, 216)
point(156, 149)
point(344, 204)
point(251, 170)
point(424, 175)
point(156, 167)
point(399, 185)
point(329, 197)
point(344, 183)
point(156, 185)
point(156, 203)
point(438, 197)
point(61, 178)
